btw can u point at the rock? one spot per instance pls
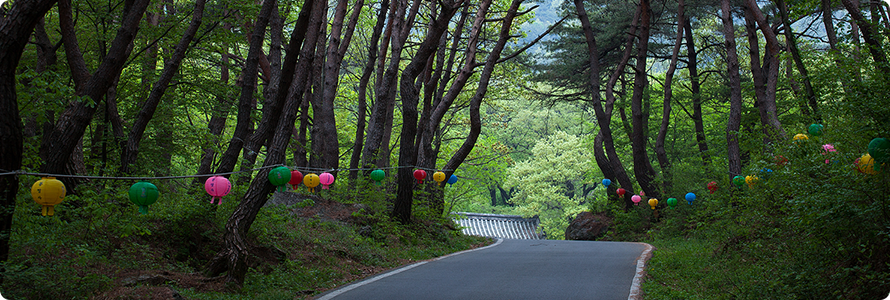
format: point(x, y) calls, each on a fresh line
point(588, 227)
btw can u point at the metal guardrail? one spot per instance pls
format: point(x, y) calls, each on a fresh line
point(499, 226)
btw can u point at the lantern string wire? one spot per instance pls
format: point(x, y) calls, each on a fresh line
point(22, 172)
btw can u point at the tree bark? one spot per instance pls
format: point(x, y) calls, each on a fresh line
point(643, 170)
point(791, 40)
point(73, 122)
point(870, 35)
point(237, 248)
point(408, 90)
point(15, 31)
point(130, 149)
point(767, 98)
point(733, 151)
point(695, 85)
point(660, 152)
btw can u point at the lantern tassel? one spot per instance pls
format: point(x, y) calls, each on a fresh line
point(43, 211)
point(143, 209)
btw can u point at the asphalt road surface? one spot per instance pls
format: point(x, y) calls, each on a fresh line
point(513, 269)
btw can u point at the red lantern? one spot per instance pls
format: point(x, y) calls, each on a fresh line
point(712, 186)
point(419, 175)
point(296, 178)
point(621, 192)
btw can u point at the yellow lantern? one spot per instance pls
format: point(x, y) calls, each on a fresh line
point(48, 192)
point(653, 202)
point(751, 180)
point(439, 177)
point(800, 137)
point(866, 164)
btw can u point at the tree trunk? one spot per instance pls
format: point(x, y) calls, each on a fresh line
point(237, 248)
point(602, 111)
point(733, 151)
point(130, 149)
point(768, 109)
point(15, 31)
point(220, 113)
point(695, 84)
point(72, 123)
point(791, 40)
point(643, 170)
point(363, 90)
point(870, 35)
point(660, 153)
point(409, 95)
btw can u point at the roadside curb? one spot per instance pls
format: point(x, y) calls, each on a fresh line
point(642, 260)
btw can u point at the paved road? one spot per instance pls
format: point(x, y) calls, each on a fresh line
point(512, 269)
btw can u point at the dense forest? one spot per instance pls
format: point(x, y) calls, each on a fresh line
point(773, 115)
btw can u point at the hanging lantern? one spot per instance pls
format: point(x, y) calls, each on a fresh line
point(866, 164)
point(738, 181)
point(766, 173)
point(279, 177)
point(879, 149)
point(326, 179)
point(815, 129)
point(781, 160)
point(672, 202)
point(295, 179)
point(311, 181)
point(48, 192)
point(636, 199)
point(751, 180)
point(377, 176)
point(439, 177)
point(653, 202)
point(143, 194)
point(800, 137)
point(689, 198)
point(620, 192)
point(712, 186)
point(419, 175)
point(607, 182)
point(217, 187)
point(452, 179)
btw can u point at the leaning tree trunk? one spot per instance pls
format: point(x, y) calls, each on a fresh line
point(233, 257)
point(791, 40)
point(871, 36)
point(643, 170)
point(768, 108)
point(15, 31)
point(660, 152)
point(130, 148)
point(695, 86)
point(61, 142)
point(733, 151)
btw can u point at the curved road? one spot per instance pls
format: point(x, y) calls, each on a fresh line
point(514, 269)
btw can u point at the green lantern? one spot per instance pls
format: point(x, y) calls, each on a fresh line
point(377, 176)
point(815, 129)
point(279, 177)
point(879, 149)
point(143, 194)
point(738, 181)
point(672, 202)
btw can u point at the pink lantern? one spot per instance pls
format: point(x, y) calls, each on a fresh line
point(826, 149)
point(217, 187)
point(636, 199)
point(296, 178)
point(326, 179)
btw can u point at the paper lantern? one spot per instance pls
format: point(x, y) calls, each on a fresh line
point(689, 198)
point(653, 202)
point(800, 137)
point(815, 129)
point(439, 177)
point(326, 179)
point(866, 164)
point(751, 180)
point(607, 182)
point(712, 186)
point(636, 199)
point(143, 194)
point(620, 192)
point(781, 160)
point(377, 176)
point(311, 181)
point(48, 192)
point(419, 175)
point(672, 202)
point(217, 187)
point(879, 149)
point(279, 177)
point(452, 179)
point(295, 179)
point(738, 181)
point(766, 173)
